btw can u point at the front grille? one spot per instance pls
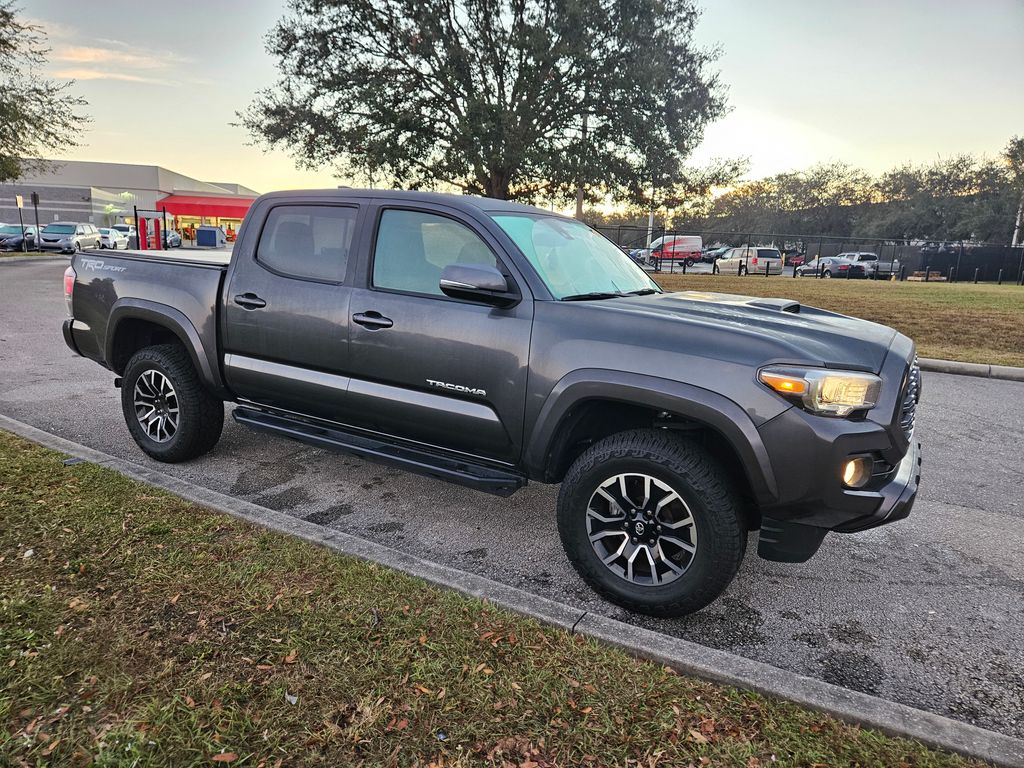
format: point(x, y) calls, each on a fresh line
point(911, 397)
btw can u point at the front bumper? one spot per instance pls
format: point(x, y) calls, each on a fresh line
point(56, 246)
point(794, 540)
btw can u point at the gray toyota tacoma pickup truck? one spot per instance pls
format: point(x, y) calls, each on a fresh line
point(489, 344)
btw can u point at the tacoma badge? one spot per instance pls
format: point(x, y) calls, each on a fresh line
point(457, 388)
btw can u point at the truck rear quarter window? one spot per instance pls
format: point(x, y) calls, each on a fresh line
point(308, 241)
point(414, 246)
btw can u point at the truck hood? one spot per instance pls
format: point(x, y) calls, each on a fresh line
point(785, 330)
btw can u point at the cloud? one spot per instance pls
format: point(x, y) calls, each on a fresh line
point(94, 74)
point(118, 61)
point(126, 56)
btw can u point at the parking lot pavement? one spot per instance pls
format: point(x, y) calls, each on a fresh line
point(926, 612)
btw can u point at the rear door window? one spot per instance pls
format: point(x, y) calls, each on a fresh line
point(312, 242)
point(767, 253)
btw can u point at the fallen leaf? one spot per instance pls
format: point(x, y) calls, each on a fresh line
point(698, 737)
point(291, 657)
point(205, 676)
point(77, 604)
point(402, 725)
point(52, 746)
point(225, 757)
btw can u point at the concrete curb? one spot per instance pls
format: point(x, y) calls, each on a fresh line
point(35, 257)
point(682, 655)
point(983, 370)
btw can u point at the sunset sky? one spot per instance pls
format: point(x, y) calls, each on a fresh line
point(872, 83)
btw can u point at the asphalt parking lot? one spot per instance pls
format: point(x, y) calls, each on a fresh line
point(926, 612)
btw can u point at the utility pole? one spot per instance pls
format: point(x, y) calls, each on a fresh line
point(1020, 219)
point(650, 218)
point(579, 180)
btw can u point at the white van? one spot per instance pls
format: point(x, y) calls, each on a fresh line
point(751, 260)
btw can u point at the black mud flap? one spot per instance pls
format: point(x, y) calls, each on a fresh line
point(785, 542)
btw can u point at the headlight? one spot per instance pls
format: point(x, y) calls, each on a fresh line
point(819, 390)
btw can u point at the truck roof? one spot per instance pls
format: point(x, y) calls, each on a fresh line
point(461, 202)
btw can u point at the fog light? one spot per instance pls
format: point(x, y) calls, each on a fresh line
point(857, 472)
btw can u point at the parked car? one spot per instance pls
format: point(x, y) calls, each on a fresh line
point(711, 255)
point(69, 236)
point(15, 238)
point(128, 229)
point(681, 249)
point(796, 259)
point(112, 238)
point(172, 239)
point(873, 266)
point(751, 260)
point(491, 344)
point(831, 266)
point(641, 255)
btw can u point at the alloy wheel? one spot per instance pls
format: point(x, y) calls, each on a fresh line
point(156, 405)
point(641, 529)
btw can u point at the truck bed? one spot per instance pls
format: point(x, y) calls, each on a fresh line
point(122, 291)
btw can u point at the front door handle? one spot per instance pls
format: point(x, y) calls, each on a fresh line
point(375, 321)
point(249, 301)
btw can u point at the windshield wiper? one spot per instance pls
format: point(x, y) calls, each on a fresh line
point(593, 295)
point(642, 292)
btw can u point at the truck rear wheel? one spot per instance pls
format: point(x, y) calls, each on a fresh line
point(168, 412)
point(651, 522)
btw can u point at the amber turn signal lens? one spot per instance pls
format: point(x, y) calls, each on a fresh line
point(784, 385)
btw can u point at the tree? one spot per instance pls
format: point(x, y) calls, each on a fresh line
point(492, 96)
point(37, 114)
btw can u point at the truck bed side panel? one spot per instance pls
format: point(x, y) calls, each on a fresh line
point(180, 295)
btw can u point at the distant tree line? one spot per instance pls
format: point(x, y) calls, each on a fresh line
point(965, 197)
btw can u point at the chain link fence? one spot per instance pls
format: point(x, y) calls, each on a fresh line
point(959, 261)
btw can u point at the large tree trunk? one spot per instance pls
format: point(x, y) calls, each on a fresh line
point(496, 184)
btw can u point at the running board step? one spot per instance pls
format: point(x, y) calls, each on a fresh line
point(454, 470)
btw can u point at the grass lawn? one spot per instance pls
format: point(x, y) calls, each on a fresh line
point(960, 321)
point(139, 630)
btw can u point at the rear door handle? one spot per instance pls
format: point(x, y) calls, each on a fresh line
point(375, 321)
point(249, 301)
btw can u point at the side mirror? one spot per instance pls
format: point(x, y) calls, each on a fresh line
point(477, 282)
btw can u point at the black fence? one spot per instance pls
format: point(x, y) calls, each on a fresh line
point(944, 261)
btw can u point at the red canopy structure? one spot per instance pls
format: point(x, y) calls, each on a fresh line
point(194, 205)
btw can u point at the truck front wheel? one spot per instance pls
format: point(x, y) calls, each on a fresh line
point(169, 413)
point(651, 522)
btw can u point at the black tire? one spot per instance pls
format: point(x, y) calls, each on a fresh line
point(826, 273)
point(688, 263)
point(200, 414)
point(743, 271)
point(721, 533)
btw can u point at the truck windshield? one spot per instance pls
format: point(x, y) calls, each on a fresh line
point(572, 259)
point(59, 229)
